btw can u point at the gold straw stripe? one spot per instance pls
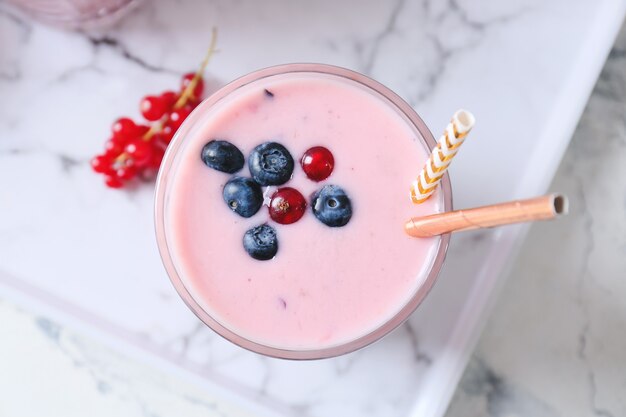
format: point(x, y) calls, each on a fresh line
point(420, 201)
point(429, 180)
point(424, 186)
point(446, 158)
point(442, 157)
point(435, 169)
point(424, 191)
point(415, 194)
point(456, 132)
point(448, 144)
point(432, 167)
point(451, 146)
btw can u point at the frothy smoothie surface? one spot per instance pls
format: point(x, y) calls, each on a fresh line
point(326, 285)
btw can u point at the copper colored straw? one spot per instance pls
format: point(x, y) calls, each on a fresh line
point(539, 208)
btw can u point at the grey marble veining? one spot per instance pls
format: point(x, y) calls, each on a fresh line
point(555, 344)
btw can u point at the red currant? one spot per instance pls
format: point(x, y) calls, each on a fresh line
point(157, 157)
point(169, 98)
point(126, 173)
point(153, 107)
point(101, 164)
point(193, 102)
point(199, 88)
point(287, 205)
point(139, 151)
point(159, 138)
point(178, 116)
point(112, 181)
point(113, 148)
point(167, 133)
point(318, 163)
point(123, 129)
point(141, 131)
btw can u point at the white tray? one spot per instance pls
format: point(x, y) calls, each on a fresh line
point(87, 256)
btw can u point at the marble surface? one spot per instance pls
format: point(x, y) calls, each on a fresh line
point(72, 250)
point(68, 373)
point(555, 344)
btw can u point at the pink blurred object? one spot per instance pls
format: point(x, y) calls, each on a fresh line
point(76, 14)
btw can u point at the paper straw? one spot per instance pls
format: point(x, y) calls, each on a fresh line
point(440, 158)
point(539, 208)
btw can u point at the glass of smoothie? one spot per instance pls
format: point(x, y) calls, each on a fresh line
point(280, 211)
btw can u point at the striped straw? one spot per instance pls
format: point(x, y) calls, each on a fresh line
point(447, 146)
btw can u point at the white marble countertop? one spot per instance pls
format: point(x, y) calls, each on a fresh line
point(86, 256)
point(555, 344)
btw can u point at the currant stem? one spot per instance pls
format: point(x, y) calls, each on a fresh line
point(182, 100)
point(121, 157)
point(154, 129)
point(188, 92)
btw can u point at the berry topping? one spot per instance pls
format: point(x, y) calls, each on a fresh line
point(260, 242)
point(243, 196)
point(317, 163)
point(287, 205)
point(332, 206)
point(270, 164)
point(222, 156)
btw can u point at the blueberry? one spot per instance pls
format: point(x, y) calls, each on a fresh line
point(243, 196)
point(331, 205)
point(222, 156)
point(260, 242)
point(270, 164)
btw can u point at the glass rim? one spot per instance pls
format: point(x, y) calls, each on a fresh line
point(166, 257)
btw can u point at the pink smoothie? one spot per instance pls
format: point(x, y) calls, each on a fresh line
point(326, 286)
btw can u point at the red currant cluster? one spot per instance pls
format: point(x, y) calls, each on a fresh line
point(136, 150)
